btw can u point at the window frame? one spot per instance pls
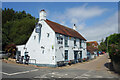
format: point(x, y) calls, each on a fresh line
point(66, 55)
point(66, 41)
point(75, 42)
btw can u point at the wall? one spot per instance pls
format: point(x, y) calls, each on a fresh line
point(21, 49)
point(59, 52)
point(39, 45)
point(46, 50)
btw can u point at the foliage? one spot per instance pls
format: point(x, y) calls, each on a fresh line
point(102, 46)
point(88, 44)
point(16, 27)
point(112, 44)
point(11, 49)
point(114, 47)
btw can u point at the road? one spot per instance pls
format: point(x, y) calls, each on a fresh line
point(93, 69)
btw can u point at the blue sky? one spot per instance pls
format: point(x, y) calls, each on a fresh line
point(94, 20)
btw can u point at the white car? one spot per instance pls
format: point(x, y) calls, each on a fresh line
point(3, 54)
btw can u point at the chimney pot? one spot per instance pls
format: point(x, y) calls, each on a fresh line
point(74, 27)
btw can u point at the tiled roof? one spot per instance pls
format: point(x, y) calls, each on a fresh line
point(64, 30)
point(93, 42)
point(91, 49)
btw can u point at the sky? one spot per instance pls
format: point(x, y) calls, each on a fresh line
point(94, 20)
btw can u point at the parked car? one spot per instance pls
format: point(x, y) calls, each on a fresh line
point(3, 54)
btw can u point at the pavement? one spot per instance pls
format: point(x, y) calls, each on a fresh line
point(96, 68)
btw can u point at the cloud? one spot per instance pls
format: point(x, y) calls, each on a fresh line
point(84, 12)
point(97, 32)
point(78, 15)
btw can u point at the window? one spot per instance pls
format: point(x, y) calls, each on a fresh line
point(38, 28)
point(80, 54)
point(59, 40)
point(34, 37)
point(80, 43)
point(75, 42)
point(66, 55)
point(66, 41)
point(48, 34)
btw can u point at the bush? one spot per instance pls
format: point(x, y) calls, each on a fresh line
point(114, 47)
point(114, 52)
point(84, 59)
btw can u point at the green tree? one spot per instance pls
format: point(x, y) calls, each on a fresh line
point(17, 27)
point(114, 47)
point(102, 46)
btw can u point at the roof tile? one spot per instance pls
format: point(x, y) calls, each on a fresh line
point(64, 30)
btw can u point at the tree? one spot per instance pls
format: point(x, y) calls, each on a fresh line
point(88, 44)
point(11, 49)
point(102, 46)
point(17, 27)
point(114, 47)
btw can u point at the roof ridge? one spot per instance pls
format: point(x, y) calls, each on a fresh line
point(58, 28)
point(61, 24)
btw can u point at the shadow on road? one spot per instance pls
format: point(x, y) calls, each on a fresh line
point(110, 67)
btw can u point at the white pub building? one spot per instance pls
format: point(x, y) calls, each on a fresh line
point(51, 44)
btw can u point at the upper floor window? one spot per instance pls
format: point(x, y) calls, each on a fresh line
point(75, 42)
point(48, 34)
point(59, 40)
point(38, 28)
point(66, 41)
point(80, 43)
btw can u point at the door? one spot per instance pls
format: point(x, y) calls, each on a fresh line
point(66, 55)
point(75, 55)
point(80, 54)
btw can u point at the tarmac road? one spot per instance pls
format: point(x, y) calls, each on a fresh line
point(92, 69)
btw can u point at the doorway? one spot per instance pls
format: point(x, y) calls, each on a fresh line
point(76, 56)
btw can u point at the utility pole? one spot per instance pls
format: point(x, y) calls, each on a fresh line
point(107, 44)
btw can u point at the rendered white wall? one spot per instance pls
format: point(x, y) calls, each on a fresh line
point(21, 49)
point(42, 15)
point(46, 55)
point(71, 48)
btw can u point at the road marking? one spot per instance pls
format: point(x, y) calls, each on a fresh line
point(98, 76)
point(52, 76)
point(59, 77)
point(20, 72)
point(53, 73)
point(5, 73)
point(84, 75)
point(66, 74)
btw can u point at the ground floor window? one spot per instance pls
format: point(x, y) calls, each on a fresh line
point(66, 55)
